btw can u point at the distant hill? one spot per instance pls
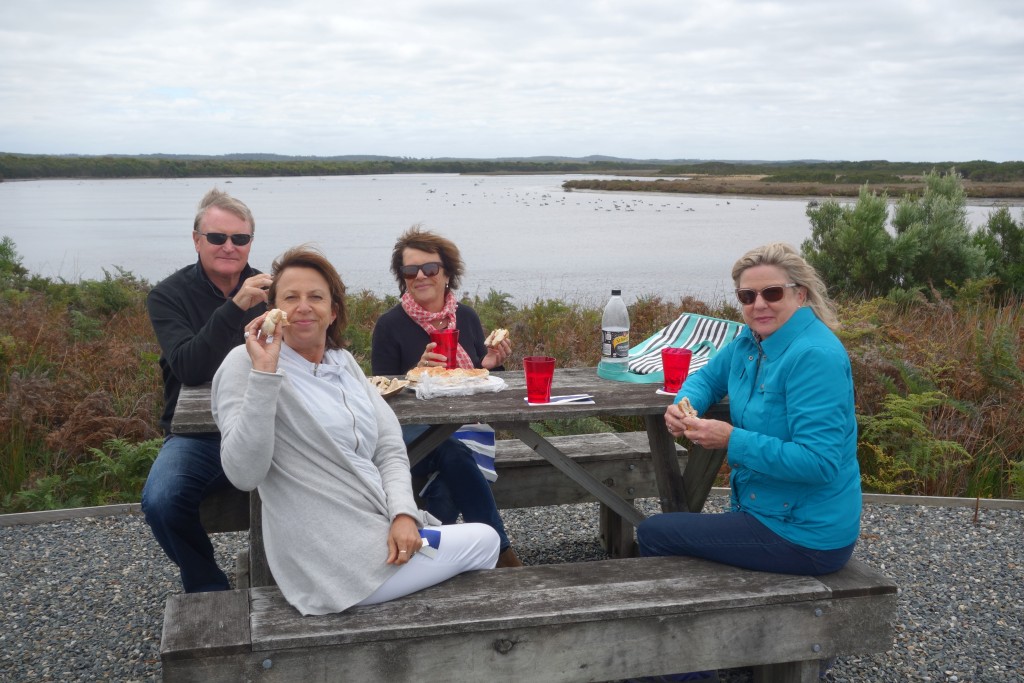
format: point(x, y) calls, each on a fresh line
point(553, 159)
point(256, 164)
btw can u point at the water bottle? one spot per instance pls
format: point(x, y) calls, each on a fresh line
point(615, 335)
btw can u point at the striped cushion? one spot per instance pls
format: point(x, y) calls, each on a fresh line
point(699, 333)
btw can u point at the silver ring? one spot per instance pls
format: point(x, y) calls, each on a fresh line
point(402, 551)
point(246, 335)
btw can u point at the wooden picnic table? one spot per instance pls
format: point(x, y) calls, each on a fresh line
point(507, 410)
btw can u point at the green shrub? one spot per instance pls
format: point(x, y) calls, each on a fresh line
point(114, 474)
point(899, 453)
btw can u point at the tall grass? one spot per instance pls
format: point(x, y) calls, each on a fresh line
point(940, 384)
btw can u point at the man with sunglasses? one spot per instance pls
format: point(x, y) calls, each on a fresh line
point(199, 314)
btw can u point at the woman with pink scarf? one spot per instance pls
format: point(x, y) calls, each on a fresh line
point(428, 268)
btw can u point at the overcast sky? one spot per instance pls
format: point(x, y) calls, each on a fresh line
point(903, 80)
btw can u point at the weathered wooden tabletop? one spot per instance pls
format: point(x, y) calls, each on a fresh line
point(507, 410)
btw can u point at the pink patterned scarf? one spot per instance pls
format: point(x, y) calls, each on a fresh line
point(427, 320)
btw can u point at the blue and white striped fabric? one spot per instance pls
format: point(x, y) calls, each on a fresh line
point(699, 333)
point(479, 438)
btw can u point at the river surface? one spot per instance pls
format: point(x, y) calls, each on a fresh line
point(522, 235)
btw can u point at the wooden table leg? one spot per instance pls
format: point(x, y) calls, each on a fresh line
point(423, 444)
point(617, 535)
point(259, 571)
point(671, 490)
point(702, 467)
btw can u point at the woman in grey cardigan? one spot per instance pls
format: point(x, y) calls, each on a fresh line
point(300, 422)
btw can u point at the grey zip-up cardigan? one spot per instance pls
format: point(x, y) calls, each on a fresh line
point(325, 528)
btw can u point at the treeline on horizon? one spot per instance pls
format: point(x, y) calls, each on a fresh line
point(31, 167)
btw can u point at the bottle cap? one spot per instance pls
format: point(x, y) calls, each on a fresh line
point(616, 292)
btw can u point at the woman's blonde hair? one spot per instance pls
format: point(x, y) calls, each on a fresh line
point(784, 256)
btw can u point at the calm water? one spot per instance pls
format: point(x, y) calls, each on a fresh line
point(518, 234)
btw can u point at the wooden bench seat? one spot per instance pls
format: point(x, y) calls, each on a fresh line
point(593, 621)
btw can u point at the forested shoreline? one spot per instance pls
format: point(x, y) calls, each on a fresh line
point(30, 166)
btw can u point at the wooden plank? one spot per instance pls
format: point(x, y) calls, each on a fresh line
point(620, 461)
point(600, 621)
point(226, 510)
point(858, 579)
point(586, 650)
point(205, 625)
point(572, 622)
point(571, 469)
point(511, 453)
point(192, 412)
point(532, 597)
point(610, 398)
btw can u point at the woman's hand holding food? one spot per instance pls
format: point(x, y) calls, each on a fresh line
point(496, 355)
point(499, 348)
point(681, 420)
point(404, 540)
point(264, 350)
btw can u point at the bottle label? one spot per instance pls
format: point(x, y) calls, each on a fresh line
point(615, 343)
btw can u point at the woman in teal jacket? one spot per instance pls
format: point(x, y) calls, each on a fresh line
point(792, 441)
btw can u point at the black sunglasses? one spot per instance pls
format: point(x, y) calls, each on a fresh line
point(429, 269)
point(769, 294)
point(219, 238)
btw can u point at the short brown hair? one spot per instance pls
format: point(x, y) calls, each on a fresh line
point(432, 243)
point(224, 202)
point(307, 257)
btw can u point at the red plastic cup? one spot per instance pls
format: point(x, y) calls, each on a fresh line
point(539, 372)
point(676, 366)
point(447, 345)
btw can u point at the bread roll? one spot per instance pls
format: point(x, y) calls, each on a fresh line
point(496, 337)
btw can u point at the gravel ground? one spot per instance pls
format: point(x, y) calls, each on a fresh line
point(83, 599)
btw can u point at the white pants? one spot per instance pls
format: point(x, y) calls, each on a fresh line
point(463, 548)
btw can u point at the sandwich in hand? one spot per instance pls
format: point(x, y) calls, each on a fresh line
point(496, 337)
point(684, 405)
point(273, 318)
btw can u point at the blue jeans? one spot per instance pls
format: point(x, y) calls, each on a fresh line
point(737, 539)
point(460, 486)
point(186, 471)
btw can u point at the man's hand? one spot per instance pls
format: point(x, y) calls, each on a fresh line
point(253, 291)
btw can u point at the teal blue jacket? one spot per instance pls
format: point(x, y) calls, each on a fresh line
point(793, 449)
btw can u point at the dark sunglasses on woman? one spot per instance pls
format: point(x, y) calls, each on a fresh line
point(429, 269)
point(219, 238)
point(769, 294)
